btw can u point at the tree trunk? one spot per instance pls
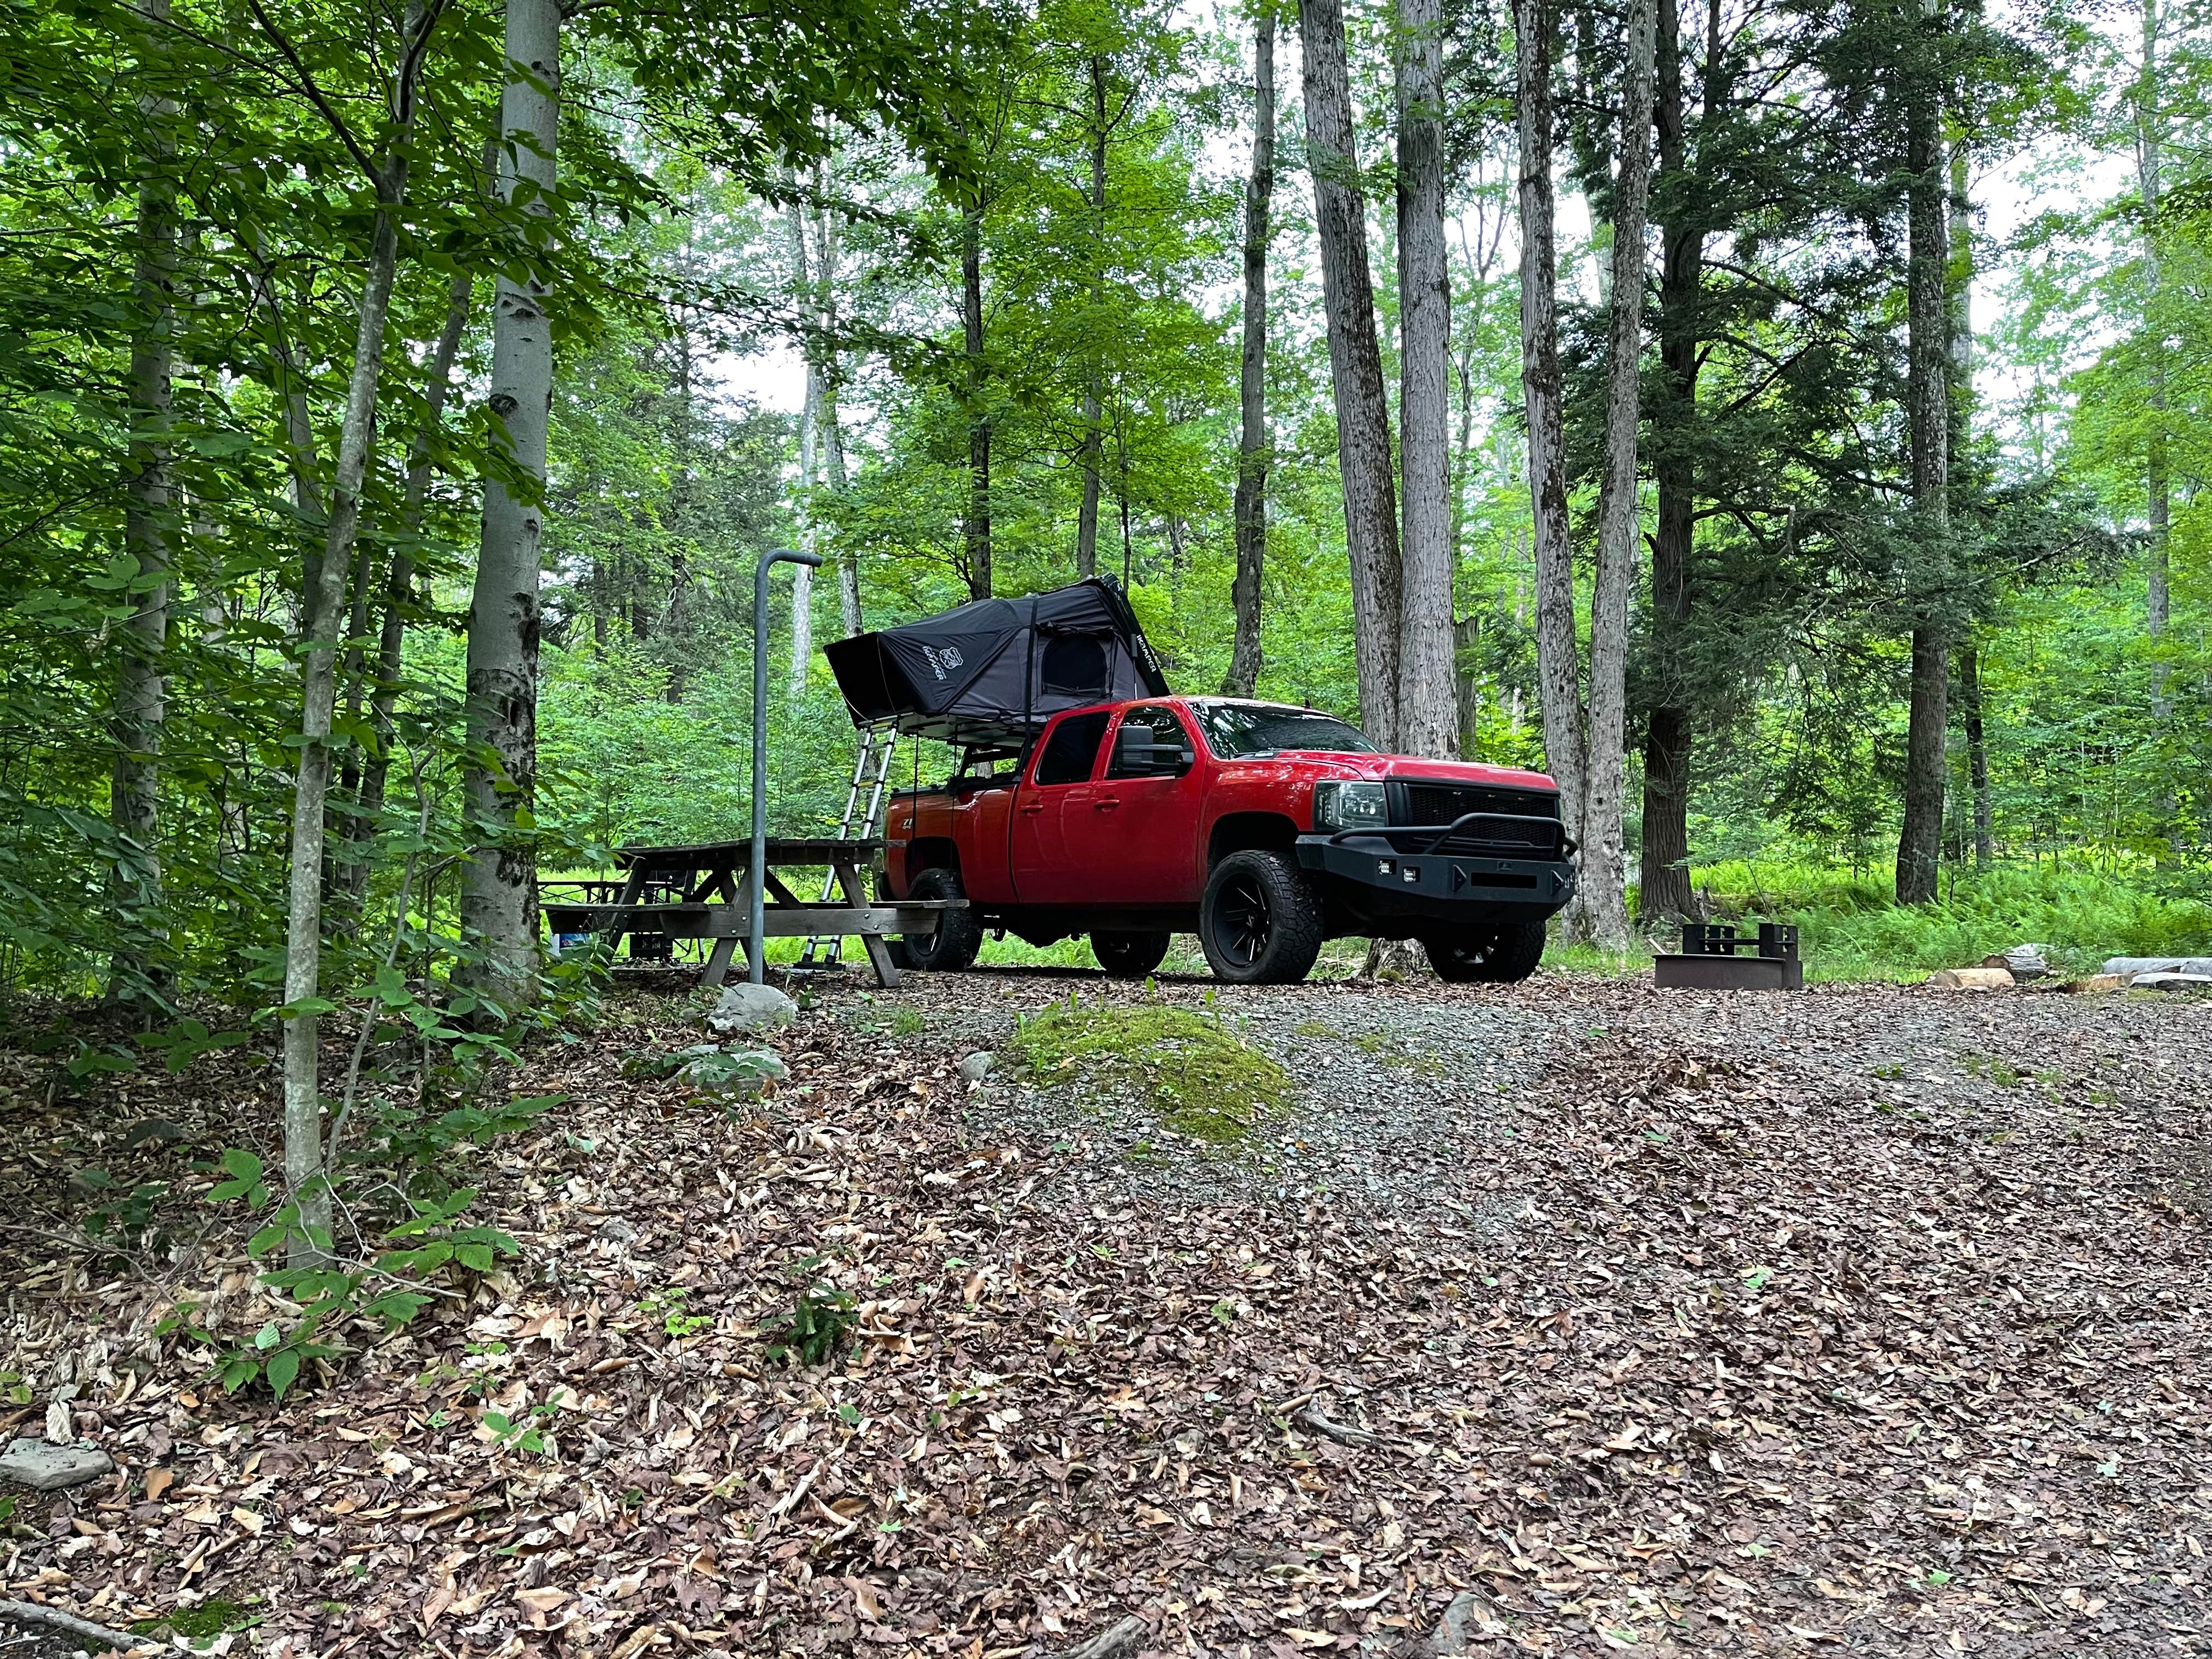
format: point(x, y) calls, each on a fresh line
point(977, 532)
point(1466, 633)
point(135, 785)
point(1252, 449)
point(1558, 668)
point(1355, 362)
point(810, 452)
point(400, 580)
point(1664, 889)
point(304, 1172)
point(1086, 523)
point(1977, 754)
point(1427, 703)
point(830, 436)
point(2159, 489)
point(1601, 894)
point(1920, 843)
point(499, 882)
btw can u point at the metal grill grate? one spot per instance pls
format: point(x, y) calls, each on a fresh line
point(1440, 802)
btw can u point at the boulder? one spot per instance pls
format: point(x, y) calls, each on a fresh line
point(1970, 979)
point(2022, 962)
point(44, 1467)
point(2200, 965)
point(751, 1008)
point(979, 1065)
point(2164, 981)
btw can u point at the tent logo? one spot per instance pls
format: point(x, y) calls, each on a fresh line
point(941, 657)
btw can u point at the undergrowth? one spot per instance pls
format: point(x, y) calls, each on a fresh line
point(1194, 1075)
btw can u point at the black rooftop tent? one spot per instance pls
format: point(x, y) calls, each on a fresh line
point(990, 672)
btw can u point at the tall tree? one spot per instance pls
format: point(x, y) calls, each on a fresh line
point(135, 789)
point(810, 441)
point(1619, 529)
point(1355, 363)
point(1558, 671)
point(1086, 521)
point(1427, 704)
point(1252, 447)
point(975, 532)
point(498, 884)
point(1664, 889)
point(2158, 485)
point(324, 616)
point(1928, 399)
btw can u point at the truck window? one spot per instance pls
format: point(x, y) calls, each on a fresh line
point(1244, 731)
point(1155, 725)
point(1071, 749)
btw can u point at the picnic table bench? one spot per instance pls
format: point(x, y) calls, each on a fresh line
point(698, 892)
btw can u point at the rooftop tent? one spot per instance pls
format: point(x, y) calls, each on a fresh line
point(990, 671)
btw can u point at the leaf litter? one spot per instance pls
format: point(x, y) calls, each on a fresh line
point(1739, 1324)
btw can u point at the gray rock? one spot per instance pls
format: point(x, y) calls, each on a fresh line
point(42, 1467)
point(979, 1065)
point(751, 1008)
point(617, 1230)
point(2159, 965)
point(739, 1074)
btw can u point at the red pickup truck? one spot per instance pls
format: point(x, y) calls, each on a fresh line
point(1264, 829)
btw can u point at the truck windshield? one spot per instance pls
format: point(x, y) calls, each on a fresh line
point(1241, 730)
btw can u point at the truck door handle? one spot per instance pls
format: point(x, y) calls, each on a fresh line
point(1105, 802)
point(1032, 806)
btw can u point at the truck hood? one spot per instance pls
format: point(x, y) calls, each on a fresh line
point(1318, 765)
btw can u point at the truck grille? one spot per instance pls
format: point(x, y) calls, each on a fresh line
point(1529, 820)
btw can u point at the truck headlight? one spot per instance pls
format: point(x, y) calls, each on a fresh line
point(1349, 806)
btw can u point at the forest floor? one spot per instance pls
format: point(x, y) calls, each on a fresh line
point(1870, 1319)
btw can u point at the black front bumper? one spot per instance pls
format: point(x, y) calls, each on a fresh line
point(1370, 887)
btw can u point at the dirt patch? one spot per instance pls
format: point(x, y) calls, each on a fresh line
point(1864, 1318)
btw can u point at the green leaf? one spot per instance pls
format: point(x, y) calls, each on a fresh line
point(268, 1336)
point(283, 1368)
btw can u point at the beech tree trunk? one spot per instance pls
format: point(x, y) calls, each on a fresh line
point(1355, 363)
point(809, 451)
point(1920, 838)
point(1558, 668)
point(1428, 708)
point(324, 613)
point(1977, 753)
point(1086, 523)
point(140, 686)
point(830, 436)
point(1602, 895)
point(1664, 890)
point(499, 882)
point(977, 532)
point(2158, 485)
point(1245, 657)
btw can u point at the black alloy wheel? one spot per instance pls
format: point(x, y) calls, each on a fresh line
point(1495, 956)
point(952, 944)
point(1129, 956)
point(1258, 922)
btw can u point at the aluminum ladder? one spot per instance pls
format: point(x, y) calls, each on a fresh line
point(863, 814)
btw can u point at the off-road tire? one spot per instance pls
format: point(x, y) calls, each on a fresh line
point(1129, 956)
point(1494, 955)
point(1260, 922)
point(958, 935)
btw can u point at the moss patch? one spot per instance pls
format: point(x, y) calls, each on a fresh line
point(1197, 1077)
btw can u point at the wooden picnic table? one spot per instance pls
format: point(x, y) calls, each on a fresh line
point(698, 892)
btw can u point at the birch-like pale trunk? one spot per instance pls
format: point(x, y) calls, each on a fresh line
point(324, 613)
point(1428, 706)
point(1602, 895)
point(1559, 676)
point(829, 437)
point(141, 685)
point(1250, 515)
point(499, 881)
point(1927, 400)
point(1355, 365)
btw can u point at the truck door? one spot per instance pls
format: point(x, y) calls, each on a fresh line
point(1057, 791)
point(1143, 834)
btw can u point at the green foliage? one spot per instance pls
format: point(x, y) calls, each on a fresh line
point(668, 1305)
point(819, 1325)
point(525, 1432)
point(1197, 1077)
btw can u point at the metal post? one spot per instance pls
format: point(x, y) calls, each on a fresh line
point(755, 942)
